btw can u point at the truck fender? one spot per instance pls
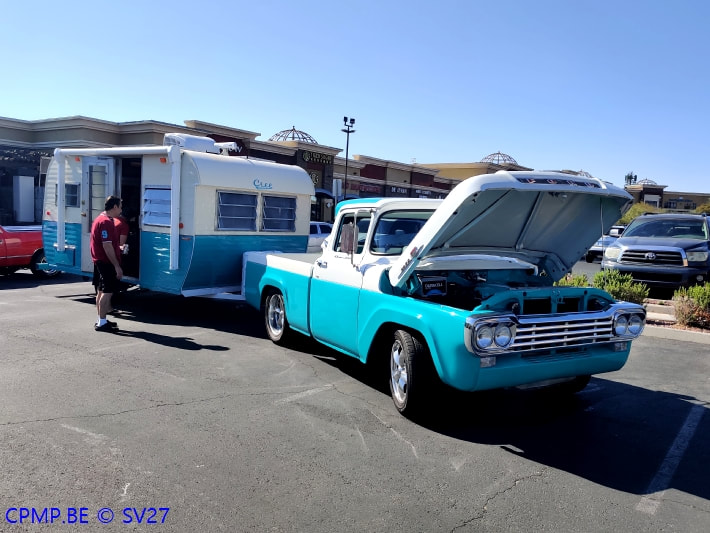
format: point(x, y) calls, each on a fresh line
point(439, 329)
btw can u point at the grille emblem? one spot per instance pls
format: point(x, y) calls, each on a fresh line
point(650, 256)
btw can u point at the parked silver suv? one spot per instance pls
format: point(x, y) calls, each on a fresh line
point(663, 250)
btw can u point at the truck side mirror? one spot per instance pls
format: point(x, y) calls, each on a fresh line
point(353, 249)
point(347, 238)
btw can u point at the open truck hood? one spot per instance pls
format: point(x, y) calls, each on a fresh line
point(548, 219)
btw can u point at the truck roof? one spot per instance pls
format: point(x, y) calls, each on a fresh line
point(399, 203)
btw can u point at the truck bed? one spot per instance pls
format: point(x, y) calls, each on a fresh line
point(280, 269)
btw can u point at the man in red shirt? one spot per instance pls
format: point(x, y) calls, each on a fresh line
point(122, 230)
point(105, 253)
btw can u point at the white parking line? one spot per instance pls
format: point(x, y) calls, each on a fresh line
point(657, 488)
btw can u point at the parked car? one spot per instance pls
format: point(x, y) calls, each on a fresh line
point(663, 250)
point(21, 247)
point(616, 231)
point(319, 231)
point(596, 252)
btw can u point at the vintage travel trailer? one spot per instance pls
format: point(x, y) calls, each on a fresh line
point(192, 209)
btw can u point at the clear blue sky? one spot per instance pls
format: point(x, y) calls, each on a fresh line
point(605, 86)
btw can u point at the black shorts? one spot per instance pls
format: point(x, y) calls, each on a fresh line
point(105, 277)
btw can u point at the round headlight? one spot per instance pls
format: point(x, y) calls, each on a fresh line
point(484, 337)
point(620, 325)
point(612, 252)
point(503, 335)
point(635, 325)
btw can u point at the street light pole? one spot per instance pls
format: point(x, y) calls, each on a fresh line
point(348, 129)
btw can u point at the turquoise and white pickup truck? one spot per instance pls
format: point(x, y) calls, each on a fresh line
point(460, 290)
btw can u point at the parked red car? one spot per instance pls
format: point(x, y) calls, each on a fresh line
point(21, 247)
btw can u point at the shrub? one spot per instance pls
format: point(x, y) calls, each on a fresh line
point(692, 306)
point(620, 286)
point(636, 210)
point(576, 280)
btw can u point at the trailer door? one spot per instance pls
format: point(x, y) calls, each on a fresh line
point(98, 182)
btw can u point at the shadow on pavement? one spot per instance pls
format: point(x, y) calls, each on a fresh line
point(24, 279)
point(614, 434)
point(179, 343)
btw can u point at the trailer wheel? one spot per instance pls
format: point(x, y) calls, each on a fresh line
point(408, 373)
point(277, 328)
point(38, 258)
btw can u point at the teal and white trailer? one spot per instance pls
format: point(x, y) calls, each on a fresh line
point(193, 211)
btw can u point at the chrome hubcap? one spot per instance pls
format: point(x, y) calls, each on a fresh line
point(275, 314)
point(398, 373)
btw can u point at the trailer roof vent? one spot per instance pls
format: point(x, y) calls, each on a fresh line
point(191, 142)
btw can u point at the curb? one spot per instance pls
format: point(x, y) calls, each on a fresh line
point(667, 311)
point(675, 334)
point(660, 322)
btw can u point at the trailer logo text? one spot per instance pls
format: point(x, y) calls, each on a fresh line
point(262, 185)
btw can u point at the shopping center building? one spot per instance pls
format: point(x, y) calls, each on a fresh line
point(27, 146)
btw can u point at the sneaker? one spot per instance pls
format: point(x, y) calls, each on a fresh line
point(106, 327)
point(112, 324)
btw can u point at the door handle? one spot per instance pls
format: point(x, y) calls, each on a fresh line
point(322, 264)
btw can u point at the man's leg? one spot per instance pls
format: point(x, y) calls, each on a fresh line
point(103, 297)
point(104, 304)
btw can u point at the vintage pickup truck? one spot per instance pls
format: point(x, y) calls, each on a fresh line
point(21, 247)
point(460, 290)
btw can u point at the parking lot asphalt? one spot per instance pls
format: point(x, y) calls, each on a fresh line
point(190, 408)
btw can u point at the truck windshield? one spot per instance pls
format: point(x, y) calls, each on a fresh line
point(396, 229)
point(675, 228)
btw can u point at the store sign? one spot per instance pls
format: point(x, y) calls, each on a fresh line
point(315, 157)
point(364, 187)
point(422, 192)
point(315, 178)
point(398, 190)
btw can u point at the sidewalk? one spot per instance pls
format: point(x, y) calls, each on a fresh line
point(660, 320)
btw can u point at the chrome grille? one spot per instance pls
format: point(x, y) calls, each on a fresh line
point(651, 257)
point(545, 332)
point(563, 334)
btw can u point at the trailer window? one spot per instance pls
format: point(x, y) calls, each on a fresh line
point(236, 211)
point(156, 206)
point(71, 194)
point(278, 213)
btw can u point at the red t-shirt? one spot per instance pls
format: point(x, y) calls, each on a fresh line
point(103, 230)
point(121, 225)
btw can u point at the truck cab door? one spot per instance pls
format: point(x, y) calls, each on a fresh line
point(336, 284)
point(98, 182)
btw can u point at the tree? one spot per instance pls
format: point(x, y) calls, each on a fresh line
point(636, 210)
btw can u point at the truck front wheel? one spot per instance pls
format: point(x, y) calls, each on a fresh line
point(277, 328)
point(408, 372)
